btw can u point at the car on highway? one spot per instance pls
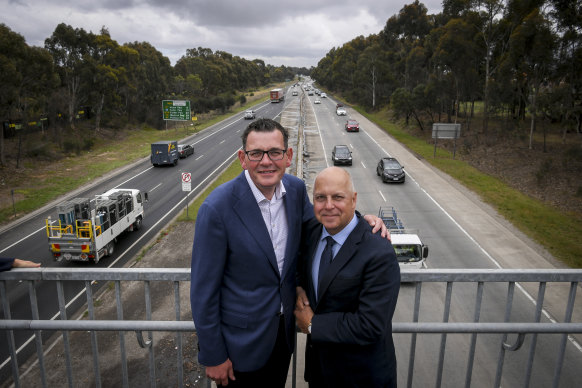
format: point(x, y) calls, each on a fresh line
point(249, 114)
point(352, 126)
point(341, 111)
point(341, 154)
point(323, 95)
point(390, 170)
point(317, 101)
point(185, 150)
point(294, 93)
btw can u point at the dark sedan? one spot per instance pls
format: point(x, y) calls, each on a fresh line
point(390, 170)
point(341, 154)
point(185, 150)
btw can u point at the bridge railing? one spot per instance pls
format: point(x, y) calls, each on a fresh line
point(146, 319)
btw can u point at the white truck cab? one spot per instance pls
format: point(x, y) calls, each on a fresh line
point(410, 251)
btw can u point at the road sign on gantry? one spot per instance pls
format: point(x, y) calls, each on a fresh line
point(177, 110)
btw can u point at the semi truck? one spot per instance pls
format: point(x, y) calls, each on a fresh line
point(87, 229)
point(410, 251)
point(165, 152)
point(277, 95)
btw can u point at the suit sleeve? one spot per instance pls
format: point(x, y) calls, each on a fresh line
point(372, 318)
point(5, 263)
point(209, 254)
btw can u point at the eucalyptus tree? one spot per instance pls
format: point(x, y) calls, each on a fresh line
point(532, 46)
point(567, 16)
point(68, 47)
point(150, 83)
point(456, 57)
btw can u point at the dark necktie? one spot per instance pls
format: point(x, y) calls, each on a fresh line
point(326, 258)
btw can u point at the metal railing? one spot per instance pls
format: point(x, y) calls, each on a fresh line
point(468, 321)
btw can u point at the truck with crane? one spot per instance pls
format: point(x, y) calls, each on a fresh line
point(410, 251)
point(87, 229)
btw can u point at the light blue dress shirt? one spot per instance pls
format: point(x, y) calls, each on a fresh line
point(339, 238)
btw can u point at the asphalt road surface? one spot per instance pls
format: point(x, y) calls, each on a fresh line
point(459, 229)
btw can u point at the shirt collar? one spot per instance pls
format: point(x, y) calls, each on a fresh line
point(259, 197)
point(341, 236)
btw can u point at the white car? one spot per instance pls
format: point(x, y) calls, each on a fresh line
point(341, 111)
point(249, 114)
point(317, 101)
point(323, 95)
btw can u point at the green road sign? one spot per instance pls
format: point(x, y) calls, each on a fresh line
point(178, 110)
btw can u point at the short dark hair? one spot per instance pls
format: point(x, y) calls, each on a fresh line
point(265, 125)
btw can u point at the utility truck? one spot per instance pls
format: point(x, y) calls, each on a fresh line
point(277, 95)
point(87, 229)
point(165, 152)
point(410, 251)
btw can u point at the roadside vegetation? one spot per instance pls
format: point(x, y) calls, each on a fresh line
point(35, 184)
point(556, 230)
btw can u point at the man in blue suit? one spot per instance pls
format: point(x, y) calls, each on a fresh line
point(244, 258)
point(349, 281)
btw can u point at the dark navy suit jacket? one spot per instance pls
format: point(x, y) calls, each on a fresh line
point(236, 289)
point(351, 342)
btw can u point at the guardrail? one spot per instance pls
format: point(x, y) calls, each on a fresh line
point(413, 281)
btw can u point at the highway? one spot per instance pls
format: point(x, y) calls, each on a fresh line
point(451, 245)
point(425, 202)
point(214, 149)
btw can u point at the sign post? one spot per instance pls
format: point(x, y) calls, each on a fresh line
point(187, 187)
point(446, 131)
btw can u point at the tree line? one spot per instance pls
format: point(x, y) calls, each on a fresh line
point(514, 56)
point(80, 75)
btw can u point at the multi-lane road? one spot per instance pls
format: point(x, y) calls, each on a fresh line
point(459, 232)
point(214, 149)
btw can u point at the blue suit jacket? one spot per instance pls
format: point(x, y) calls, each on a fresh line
point(236, 289)
point(351, 342)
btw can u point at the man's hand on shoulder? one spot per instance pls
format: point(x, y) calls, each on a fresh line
point(377, 224)
point(221, 373)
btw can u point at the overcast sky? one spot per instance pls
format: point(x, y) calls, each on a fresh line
point(290, 33)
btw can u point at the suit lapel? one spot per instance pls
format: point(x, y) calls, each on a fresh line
point(313, 241)
point(344, 255)
point(247, 209)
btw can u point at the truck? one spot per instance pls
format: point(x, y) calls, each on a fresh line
point(165, 152)
point(277, 95)
point(409, 249)
point(87, 229)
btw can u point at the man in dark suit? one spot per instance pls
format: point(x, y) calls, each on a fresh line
point(349, 282)
point(244, 259)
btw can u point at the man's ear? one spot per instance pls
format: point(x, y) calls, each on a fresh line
point(242, 159)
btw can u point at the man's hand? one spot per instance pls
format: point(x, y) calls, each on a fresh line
point(303, 318)
point(302, 300)
point(221, 373)
point(377, 224)
point(17, 263)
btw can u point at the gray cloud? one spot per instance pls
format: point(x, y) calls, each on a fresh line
point(291, 33)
